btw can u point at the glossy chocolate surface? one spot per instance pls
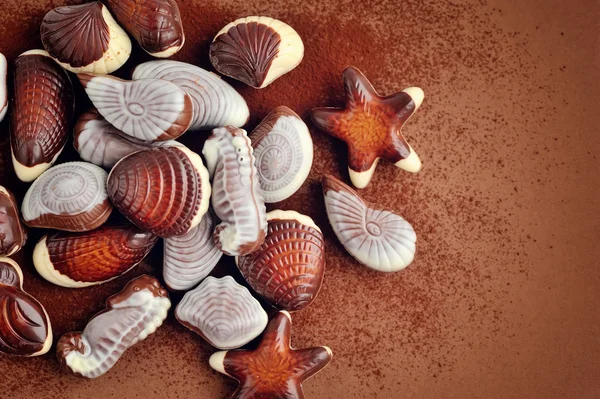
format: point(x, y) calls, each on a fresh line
point(3, 86)
point(12, 233)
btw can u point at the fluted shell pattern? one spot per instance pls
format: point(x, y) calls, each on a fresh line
point(3, 87)
point(215, 102)
point(148, 109)
point(287, 270)
point(376, 236)
point(189, 258)
point(223, 312)
point(163, 190)
point(71, 197)
point(237, 197)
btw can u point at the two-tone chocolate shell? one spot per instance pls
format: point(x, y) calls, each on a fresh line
point(3, 87)
point(12, 233)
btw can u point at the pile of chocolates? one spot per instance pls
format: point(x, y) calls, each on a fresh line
point(202, 207)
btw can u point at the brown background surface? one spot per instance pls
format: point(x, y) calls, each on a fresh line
point(501, 301)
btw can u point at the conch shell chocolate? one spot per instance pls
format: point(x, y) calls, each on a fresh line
point(3, 87)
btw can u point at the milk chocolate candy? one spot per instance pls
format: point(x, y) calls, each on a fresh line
point(130, 316)
point(256, 50)
point(12, 233)
point(85, 38)
point(3, 87)
point(42, 111)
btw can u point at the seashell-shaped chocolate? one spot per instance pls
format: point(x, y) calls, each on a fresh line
point(130, 316)
point(162, 190)
point(155, 24)
point(216, 103)
point(12, 233)
point(237, 198)
point(41, 113)
point(222, 312)
point(3, 87)
point(76, 260)
point(71, 197)
point(287, 270)
point(148, 109)
point(284, 153)
point(189, 258)
point(25, 328)
point(376, 236)
point(256, 50)
point(85, 38)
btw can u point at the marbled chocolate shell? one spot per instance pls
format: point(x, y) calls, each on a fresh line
point(41, 113)
point(148, 110)
point(223, 312)
point(12, 233)
point(287, 270)
point(76, 260)
point(70, 197)
point(3, 87)
point(163, 190)
point(216, 103)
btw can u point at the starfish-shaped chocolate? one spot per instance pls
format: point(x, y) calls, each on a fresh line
point(274, 369)
point(370, 125)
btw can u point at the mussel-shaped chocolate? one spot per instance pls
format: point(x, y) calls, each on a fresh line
point(155, 24)
point(287, 270)
point(76, 260)
point(376, 236)
point(215, 102)
point(41, 113)
point(25, 328)
point(223, 312)
point(129, 317)
point(237, 197)
point(147, 110)
point(256, 50)
point(12, 233)
point(85, 38)
point(162, 190)
point(70, 197)
point(3, 87)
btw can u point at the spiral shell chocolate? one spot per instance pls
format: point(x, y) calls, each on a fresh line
point(3, 87)
point(12, 233)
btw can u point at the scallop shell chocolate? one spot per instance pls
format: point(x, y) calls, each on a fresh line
point(376, 236)
point(215, 102)
point(256, 50)
point(85, 38)
point(162, 190)
point(12, 233)
point(3, 87)
point(148, 109)
point(284, 153)
point(223, 312)
point(70, 197)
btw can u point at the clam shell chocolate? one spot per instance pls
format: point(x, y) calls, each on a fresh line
point(256, 50)
point(3, 87)
point(223, 312)
point(163, 190)
point(85, 38)
point(12, 233)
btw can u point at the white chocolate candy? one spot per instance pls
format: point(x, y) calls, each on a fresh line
point(3, 87)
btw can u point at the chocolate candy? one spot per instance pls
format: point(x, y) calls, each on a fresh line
point(3, 87)
point(237, 198)
point(76, 260)
point(25, 328)
point(41, 113)
point(222, 312)
point(284, 153)
point(12, 233)
point(256, 50)
point(130, 316)
point(85, 38)
point(376, 236)
point(274, 369)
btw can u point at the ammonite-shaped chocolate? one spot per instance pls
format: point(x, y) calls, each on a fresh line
point(237, 197)
point(376, 236)
point(287, 270)
point(163, 190)
point(130, 316)
point(284, 153)
point(223, 312)
point(85, 38)
point(76, 260)
point(155, 24)
point(25, 328)
point(189, 258)
point(148, 109)
point(216, 103)
point(256, 50)
point(41, 113)
point(3, 87)
point(12, 233)
point(71, 197)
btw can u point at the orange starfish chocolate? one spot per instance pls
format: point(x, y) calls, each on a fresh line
point(274, 369)
point(370, 125)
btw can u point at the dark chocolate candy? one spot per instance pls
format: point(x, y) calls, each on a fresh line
point(12, 233)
